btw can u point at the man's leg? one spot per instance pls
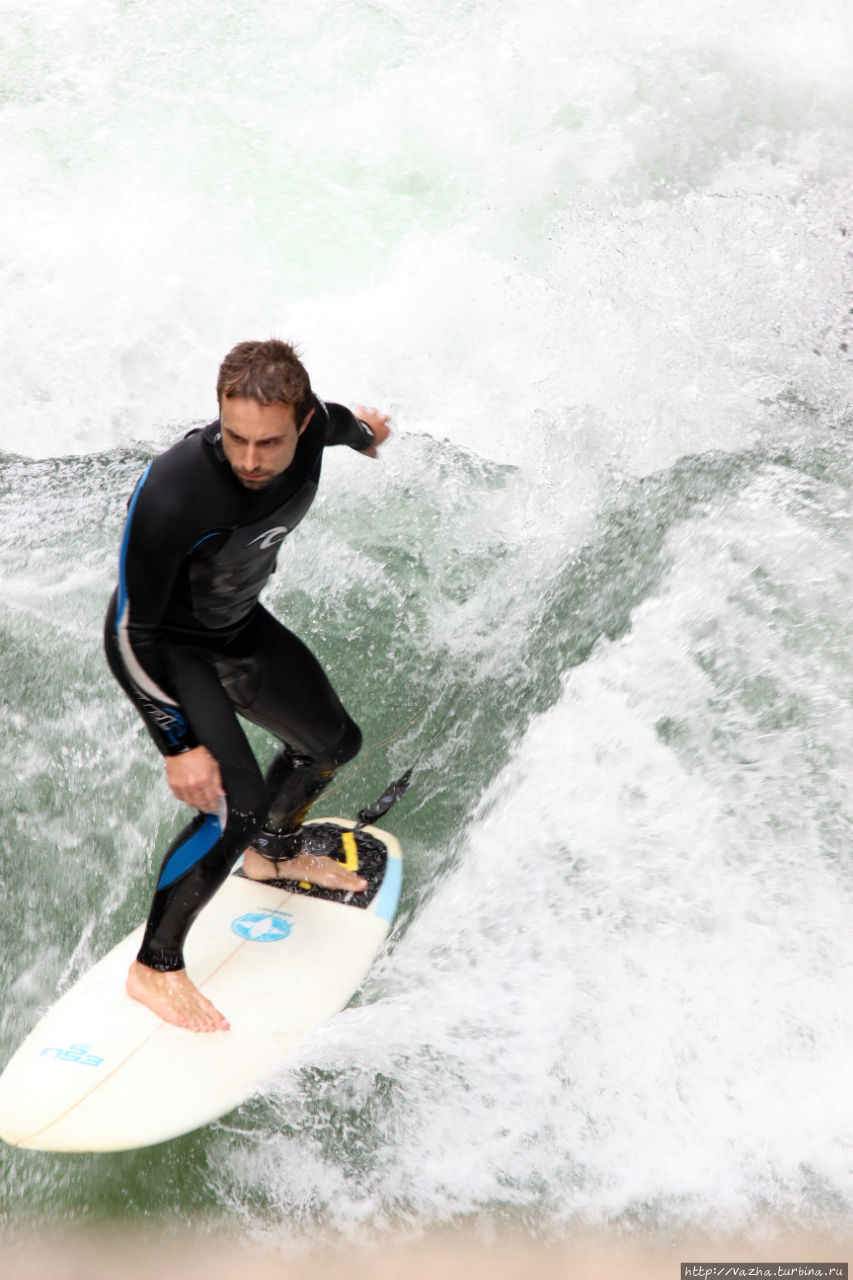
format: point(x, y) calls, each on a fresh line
point(293, 784)
point(199, 859)
point(279, 684)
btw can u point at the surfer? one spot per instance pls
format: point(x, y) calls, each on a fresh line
point(189, 643)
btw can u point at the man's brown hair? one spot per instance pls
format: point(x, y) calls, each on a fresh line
point(269, 372)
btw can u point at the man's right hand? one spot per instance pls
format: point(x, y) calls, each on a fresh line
point(378, 423)
point(194, 779)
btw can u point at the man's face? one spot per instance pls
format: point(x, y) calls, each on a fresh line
point(259, 440)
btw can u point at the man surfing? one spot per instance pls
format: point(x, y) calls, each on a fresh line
point(189, 643)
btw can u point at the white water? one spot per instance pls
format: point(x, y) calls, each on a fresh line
point(573, 244)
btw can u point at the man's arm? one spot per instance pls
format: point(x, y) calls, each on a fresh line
point(152, 551)
point(377, 424)
point(365, 430)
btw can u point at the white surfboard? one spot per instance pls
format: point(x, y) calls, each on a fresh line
point(100, 1072)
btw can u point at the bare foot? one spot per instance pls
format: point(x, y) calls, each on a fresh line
point(307, 866)
point(174, 998)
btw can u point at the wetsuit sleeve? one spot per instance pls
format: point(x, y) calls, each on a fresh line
point(343, 427)
point(153, 548)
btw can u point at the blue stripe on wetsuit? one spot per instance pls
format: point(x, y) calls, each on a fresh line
point(201, 540)
point(177, 730)
point(122, 577)
point(191, 851)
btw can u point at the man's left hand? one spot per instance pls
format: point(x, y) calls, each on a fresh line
point(194, 779)
point(378, 423)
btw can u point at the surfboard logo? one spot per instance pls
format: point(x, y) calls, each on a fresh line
point(263, 926)
point(75, 1053)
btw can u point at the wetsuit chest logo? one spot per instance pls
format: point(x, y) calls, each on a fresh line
point(270, 537)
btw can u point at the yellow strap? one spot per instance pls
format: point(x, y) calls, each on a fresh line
point(350, 849)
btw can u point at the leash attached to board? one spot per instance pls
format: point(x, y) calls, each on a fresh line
point(391, 794)
point(372, 812)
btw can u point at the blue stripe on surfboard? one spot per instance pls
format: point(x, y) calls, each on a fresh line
point(385, 905)
point(191, 851)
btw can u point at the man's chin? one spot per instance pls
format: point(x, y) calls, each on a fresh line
point(253, 482)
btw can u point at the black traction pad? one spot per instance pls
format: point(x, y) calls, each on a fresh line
point(325, 840)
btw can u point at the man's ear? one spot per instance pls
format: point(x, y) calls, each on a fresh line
point(309, 415)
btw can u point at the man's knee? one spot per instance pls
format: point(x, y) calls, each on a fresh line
point(348, 746)
point(328, 748)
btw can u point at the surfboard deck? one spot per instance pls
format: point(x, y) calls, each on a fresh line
point(101, 1072)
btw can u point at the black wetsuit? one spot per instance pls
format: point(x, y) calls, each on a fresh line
point(189, 643)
